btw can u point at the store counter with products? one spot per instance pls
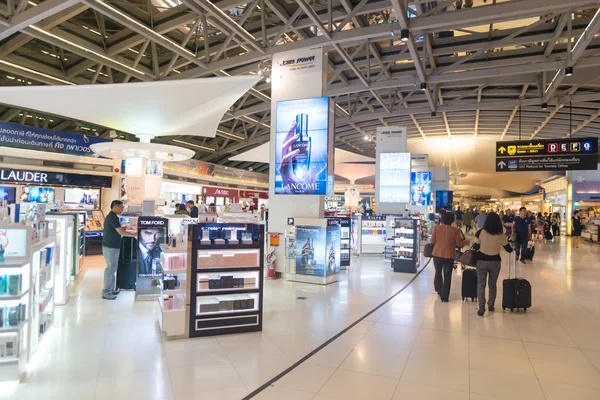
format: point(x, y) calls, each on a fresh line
point(313, 250)
point(369, 234)
point(404, 245)
point(94, 232)
point(345, 226)
point(225, 278)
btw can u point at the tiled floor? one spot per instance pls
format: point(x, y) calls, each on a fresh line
point(413, 348)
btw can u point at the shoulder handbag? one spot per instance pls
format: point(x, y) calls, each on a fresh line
point(428, 250)
point(469, 257)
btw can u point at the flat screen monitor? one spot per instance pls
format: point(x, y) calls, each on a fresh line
point(82, 196)
point(443, 199)
point(37, 194)
point(8, 194)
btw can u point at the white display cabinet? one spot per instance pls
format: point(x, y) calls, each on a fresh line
point(28, 256)
point(174, 299)
point(66, 248)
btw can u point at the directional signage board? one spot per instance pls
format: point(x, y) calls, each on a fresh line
point(547, 155)
point(556, 163)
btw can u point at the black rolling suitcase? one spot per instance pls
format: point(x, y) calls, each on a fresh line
point(127, 271)
point(469, 284)
point(516, 291)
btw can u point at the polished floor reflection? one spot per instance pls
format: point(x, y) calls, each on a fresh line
point(415, 347)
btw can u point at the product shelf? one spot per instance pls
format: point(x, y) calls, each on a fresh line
point(212, 310)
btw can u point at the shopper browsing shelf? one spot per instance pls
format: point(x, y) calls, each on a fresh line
point(488, 242)
point(111, 247)
point(181, 210)
point(192, 209)
point(445, 239)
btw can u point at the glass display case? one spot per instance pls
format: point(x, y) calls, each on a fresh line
point(174, 292)
point(28, 256)
point(226, 275)
point(404, 245)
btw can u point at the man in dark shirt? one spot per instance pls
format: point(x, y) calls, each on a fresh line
point(192, 209)
point(459, 218)
point(508, 220)
point(522, 227)
point(111, 246)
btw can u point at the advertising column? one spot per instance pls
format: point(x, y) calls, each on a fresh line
point(301, 139)
point(392, 179)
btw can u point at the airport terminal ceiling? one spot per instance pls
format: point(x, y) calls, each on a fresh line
point(466, 70)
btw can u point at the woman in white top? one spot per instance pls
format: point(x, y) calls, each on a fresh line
point(489, 241)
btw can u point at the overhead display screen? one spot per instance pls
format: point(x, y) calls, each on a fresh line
point(420, 188)
point(301, 146)
point(82, 196)
point(394, 178)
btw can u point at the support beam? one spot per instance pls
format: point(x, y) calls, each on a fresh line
point(400, 10)
point(585, 123)
point(136, 26)
point(33, 15)
point(584, 40)
point(560, 26)
point(314, 18)
point(224, 19)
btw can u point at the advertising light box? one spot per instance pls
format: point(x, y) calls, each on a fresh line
point(394, 178)
point(301, 146)
point(318, 249)
point(420, 188)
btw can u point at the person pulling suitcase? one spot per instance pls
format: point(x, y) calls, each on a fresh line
point(489, 241)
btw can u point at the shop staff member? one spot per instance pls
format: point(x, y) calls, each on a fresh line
point(111, 246)
point(192, 209)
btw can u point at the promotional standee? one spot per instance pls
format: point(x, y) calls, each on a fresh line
point(226, 278)
point(302, 146)
point(316, 257)
point(152, 238)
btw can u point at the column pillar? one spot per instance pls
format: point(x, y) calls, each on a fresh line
point(298, 74)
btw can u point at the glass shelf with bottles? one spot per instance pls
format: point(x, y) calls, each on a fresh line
point(236, 281)
point(228, 259)
point(227, 304)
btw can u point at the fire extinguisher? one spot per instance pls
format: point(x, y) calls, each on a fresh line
point(271, 264)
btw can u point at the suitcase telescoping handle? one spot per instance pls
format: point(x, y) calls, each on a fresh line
point(512, 256)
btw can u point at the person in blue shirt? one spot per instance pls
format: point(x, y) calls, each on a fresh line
point(522, 227)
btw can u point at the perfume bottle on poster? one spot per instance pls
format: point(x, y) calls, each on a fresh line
point(301, 161)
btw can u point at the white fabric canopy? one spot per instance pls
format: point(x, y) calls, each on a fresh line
point(191, 107)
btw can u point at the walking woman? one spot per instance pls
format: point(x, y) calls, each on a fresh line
point(577, 227)
point(489, 243)
point(468, 219)
point(445, 239)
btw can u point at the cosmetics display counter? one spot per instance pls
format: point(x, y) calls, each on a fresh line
point(345, 226)
point(94, 229)
point(173, 301)
point(27, 261)
point(369, 234)
point(404, 245)
point(226, 275)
